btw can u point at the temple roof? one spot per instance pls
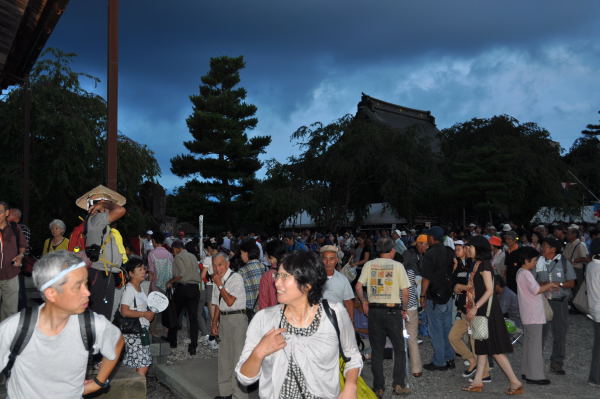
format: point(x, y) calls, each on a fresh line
point(398, 117)
point(25, 26)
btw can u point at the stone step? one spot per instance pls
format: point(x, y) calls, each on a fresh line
point(125, 384)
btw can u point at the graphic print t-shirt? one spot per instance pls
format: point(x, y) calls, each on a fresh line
point(384, 278)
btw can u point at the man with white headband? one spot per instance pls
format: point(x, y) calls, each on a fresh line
point(53, 361)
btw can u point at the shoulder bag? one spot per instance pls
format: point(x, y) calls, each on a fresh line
point(127, 325)
point(479, 324)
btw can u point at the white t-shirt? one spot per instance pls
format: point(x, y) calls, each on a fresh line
point(53, 367)
point(337, 288)
point(141, 300)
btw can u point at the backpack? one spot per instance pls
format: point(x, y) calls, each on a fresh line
point(77, 237)
point(95, 252)
point(441, 291)
point(27, 322)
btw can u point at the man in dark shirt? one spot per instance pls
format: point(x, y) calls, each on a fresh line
point(511, 260)
point(436, 298)
point(12, 251)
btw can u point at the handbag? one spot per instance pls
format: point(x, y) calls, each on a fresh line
point(548, 312)
point(479, 325)
point(581, 299)
point(127, 325)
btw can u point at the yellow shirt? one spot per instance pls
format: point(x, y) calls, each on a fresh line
point(384, 279)
point(48, 247)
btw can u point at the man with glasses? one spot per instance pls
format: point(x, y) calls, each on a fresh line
point(229, 322)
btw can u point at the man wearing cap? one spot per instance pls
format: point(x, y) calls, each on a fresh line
point(399, 244)
point(576, 253)
point(387, 287)
point(552, 267)
point(498, 255)
point(104, 206)
point(54, 361)
point(337, 288)
point(436, 298)
point(147, 244)
point(413, 257)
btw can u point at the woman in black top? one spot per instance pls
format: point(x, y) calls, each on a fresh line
point(481, 290)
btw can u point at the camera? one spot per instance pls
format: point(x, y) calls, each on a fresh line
point(93, 252)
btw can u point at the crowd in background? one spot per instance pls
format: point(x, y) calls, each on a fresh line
point(524, 280)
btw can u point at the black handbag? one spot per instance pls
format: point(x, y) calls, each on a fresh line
point(128, 325)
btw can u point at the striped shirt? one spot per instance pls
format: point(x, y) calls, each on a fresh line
point(413, 303)
point(251, 272)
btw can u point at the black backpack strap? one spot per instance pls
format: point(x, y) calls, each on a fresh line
point(88, 330)
point(27, 322)
point(333, 319)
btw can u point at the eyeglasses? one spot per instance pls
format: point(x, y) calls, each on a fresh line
point(281, 276)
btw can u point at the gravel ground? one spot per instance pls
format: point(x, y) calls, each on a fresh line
point(447, 384)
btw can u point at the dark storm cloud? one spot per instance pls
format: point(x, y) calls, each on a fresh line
point(309, 60)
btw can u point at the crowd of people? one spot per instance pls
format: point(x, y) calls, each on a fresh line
point(282, 308)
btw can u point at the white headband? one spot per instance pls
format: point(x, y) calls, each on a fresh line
point(61, 275)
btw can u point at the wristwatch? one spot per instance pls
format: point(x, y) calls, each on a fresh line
point(102, 385)
point(220, 287)
point(560, 284)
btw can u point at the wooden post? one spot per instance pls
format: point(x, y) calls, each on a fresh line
point(26, 150)
point(113, 94)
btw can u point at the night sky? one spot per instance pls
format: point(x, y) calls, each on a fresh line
point(309, 60)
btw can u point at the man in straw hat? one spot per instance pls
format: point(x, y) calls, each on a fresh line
point(53, 361)
point(104, 206)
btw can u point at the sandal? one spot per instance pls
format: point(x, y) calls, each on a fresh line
point(515, 391)
point(417, 375)
point(473, 388)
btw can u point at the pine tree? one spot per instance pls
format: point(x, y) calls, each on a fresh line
point(592, 130)
point(221, 152)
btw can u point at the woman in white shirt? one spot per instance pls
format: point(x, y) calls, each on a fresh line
point(593, 290)
point(134, 303)
point(293, 347)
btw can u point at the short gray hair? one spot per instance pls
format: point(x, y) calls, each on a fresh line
point(384, 245)
point(221, 254)
point(51, 265)
point(57, 222)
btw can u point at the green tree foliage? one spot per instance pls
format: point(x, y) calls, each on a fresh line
point(347, 165)
point(499, 168)
point(592, 129)
point(582, 159)
point(494, 169)
point(68, 148)
point(222, 155)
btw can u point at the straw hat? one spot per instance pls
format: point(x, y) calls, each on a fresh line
point(101, 192)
